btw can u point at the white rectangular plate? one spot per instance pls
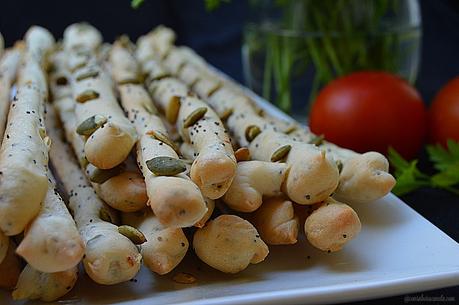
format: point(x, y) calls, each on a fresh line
point(397, 252)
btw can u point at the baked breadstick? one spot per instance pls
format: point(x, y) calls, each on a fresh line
point(174, 198)
point(109, 146)
point(23, 161)
point(124, 187)
point(82, 36)
point(34, 284)
point(52, 243)
point(214, 168)
point(331, 225)
point(165, 247)
point(40, 42)
point(167, 93)
point(210, 204)
point(313, 175)
point(363, 177)
point(229, 244)
point(161, 39)
point(10, 268)
point(110, 257)
point(9, 64)
point(276, 221)
point(253, 180)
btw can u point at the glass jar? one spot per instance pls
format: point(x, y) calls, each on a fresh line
point(292, 48)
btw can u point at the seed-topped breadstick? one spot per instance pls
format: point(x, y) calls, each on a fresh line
point(123, 187)
point(10, 268)
point(110, 256)
point(40, 42)
point(51, 242)
point(165, 247)
point(23, 161)
point(276, 221)
point(82, 36)
point(253, 180)
point(109, 146)
point(214, 168)
point(167, 93)
point(174, 198)
point(229, 244)
point(313, 175)
point(48, 287)
point(331, 225)
point(363, 177)
point(9, 64)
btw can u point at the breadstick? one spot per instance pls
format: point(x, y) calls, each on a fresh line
point(123, 190)
point(40, 42)
point(8, 66)
point(52, 243)
point(48, 287)
point(210, 204)
point(82, 36)
point(161, 39)
point(313, 175)
point(253, 180)
point(106, 147)
point(110, 257)
point(165, 247)
point(23, 161)
point(167, 93)
point(331, 225)
point(2, 44)
point(363, 177)
point(10, 268)
point(276, 221)
point(229, 244)
point(214, 168)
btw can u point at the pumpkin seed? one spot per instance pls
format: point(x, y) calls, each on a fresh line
point(158, 135)
point(91, 124)
point(104, 214)
point(226, 114)
point(195, 116)
point(150, 108)
point(87, 74)
point(317, 140)
point(184, 278)
point(133, 234)
point(87, 95)
point(173, 109)
point(99, 176)
point(281, 153)
point(135, 81)
point(166, 166)
point(252, 132)
point(340, 165)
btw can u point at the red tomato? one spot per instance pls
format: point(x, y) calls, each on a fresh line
point(444, 114)
point(367, 111)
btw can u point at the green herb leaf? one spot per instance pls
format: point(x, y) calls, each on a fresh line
point(409, 177)
point(444, 158)
point(135, 4)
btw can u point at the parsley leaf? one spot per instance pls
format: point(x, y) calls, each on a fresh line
point(135, 4)
point(409, 177)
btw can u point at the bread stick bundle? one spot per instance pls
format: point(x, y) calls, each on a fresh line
point(51, 242)
point(10, 268)
point(165, 246)
point(111, 256)
point(23, 161)
point(9, 64)
point(36, 285)
point(122, 187)
point(229, 243)
point(109, 146)
point(214, 168)
point(174, 198)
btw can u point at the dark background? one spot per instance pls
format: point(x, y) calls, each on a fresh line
point(217, 37)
